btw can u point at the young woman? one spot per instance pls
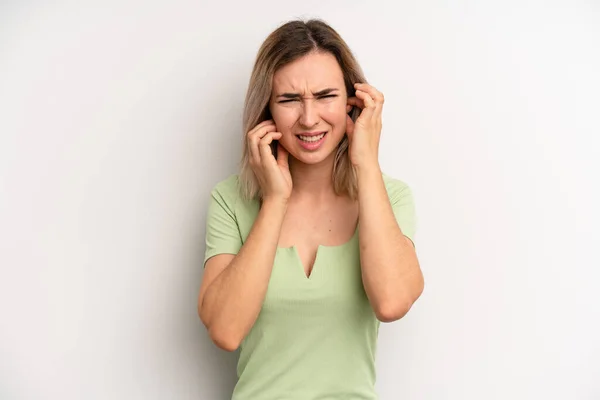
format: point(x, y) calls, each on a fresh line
point(310, 247)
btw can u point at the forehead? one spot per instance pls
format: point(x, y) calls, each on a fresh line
point(314, 71)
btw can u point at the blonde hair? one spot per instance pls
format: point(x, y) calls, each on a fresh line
point(286, 44)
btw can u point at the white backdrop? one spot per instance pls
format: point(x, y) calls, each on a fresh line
point(117, 118)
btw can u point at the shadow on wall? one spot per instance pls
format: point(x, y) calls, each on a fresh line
point(209, 372)
point(218, 126)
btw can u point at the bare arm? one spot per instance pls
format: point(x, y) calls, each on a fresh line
point(234, 287)
point(390, 269)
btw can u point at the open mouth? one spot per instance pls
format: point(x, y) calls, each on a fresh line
point(312, 138)
point(313, 141)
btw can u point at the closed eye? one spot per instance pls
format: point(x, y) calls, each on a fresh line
point(320, 97)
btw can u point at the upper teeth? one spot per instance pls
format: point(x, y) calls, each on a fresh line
point(312, 138)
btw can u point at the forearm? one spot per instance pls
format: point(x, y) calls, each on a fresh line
point(233, 301)
point(390, 269)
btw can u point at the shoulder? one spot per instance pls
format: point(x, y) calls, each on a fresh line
point(230, 186)
point(227, 191)
point(403, 205)
point(228, 194)
point(396, 187)
point(228, 204)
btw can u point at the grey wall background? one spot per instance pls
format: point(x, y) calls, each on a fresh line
point(116, 119)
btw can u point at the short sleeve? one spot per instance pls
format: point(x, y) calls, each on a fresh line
point(403, 205)
point(222, 231)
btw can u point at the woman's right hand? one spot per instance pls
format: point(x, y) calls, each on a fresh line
point(273, 175)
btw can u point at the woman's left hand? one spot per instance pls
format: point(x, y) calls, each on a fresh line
point(364, 134)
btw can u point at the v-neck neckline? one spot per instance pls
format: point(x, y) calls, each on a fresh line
point(320, 248)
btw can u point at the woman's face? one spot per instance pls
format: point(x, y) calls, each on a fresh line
point(309, 106)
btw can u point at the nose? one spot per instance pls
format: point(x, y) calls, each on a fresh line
point(309, 115)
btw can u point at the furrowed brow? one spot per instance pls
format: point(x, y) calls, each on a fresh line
point(325, 92)
point(289, 95)
point(317, 94)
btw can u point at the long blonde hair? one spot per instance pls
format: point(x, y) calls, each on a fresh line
point(286, 44)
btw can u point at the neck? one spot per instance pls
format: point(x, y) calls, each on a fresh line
point(312, 181)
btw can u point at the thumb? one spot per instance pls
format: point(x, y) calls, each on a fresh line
point(282, 156)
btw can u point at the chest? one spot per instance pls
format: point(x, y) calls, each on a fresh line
point(308, 231)
point(316, 276)
point(333, 286)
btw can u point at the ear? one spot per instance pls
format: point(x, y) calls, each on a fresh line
point(348, 108)
point(349, 126)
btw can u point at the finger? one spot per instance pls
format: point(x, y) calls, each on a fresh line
point(255, 136)
point(374, 93)
point(261, 125)
point(262, 128)
point(356, 102)
point(369, 109)
point(253, 150)
point(266, 155)
point(366, 98)
point(282, 156)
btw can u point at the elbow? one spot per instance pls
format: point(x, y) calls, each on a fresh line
point(224, 341)
point(392, 312)
point(222, 338)
point(397, 309)
point(203, 315)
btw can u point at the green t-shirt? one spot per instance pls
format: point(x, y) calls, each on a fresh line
point(316, 336)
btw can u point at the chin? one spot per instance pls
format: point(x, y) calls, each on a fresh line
point(312, 159)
